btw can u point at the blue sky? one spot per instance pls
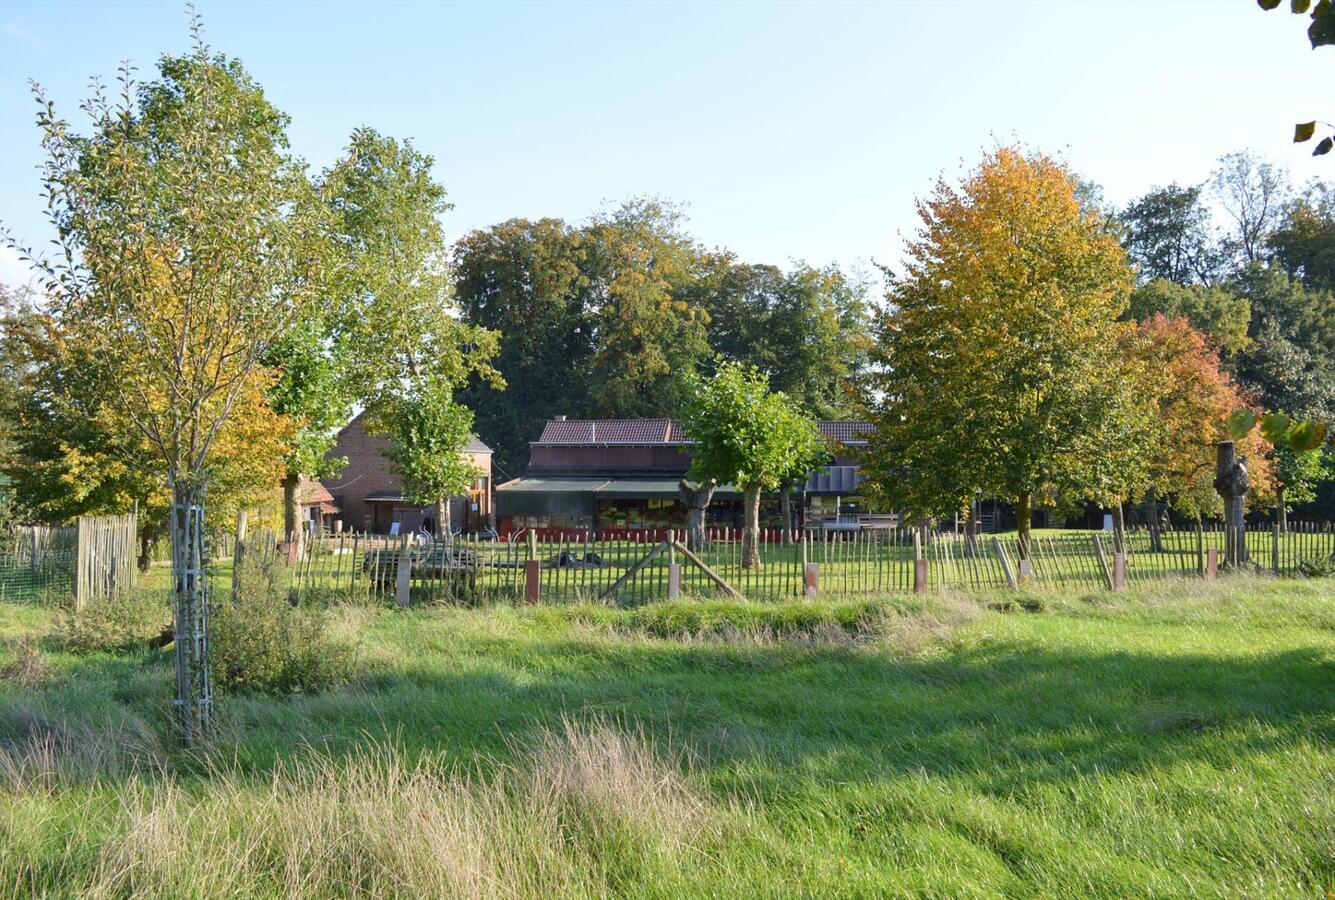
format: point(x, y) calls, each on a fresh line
point(789, 131)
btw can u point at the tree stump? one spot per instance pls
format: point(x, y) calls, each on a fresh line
point(1232, 483)
point(696, 498)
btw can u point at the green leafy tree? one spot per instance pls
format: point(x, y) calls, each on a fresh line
point(399, 337)
point(1167, 235)
point(999, 367)
point(747, 435)
point(526, 281)
point(312, 391)
point(1254, 194)
point(428, 433)
point(1304, 242)
point(396, 318)
point(190, 242)
point(1215, 311)
point(647, 340)
point(1298, 475)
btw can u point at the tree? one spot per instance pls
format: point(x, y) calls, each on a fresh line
point(428, 433)
point(311, 391)
point(1298, 474)
point(1167, 236)
point(647, 340)
point(1285, 376)
point(190, 243)
point(1215, 311)
point(998, 356)
point(403, 347)
point(526, 280)
point(1254, 193)
point(1190, 398)
point(72, 453)
point(747, 435)
point(1304, 242)
point(807, 330)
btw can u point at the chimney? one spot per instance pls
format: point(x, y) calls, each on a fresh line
point(559, 418)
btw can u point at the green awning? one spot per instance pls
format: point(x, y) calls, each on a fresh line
point(547, 496)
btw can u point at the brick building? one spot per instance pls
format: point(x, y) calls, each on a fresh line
point(369, 495)
point(615, 476)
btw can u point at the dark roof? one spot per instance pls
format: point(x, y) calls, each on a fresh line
point(665, 431)
point(610, 431)
point(846, 431)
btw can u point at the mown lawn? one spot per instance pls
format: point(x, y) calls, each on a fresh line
point(1173, 741)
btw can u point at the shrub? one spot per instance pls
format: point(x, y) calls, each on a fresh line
point(1316, 567)
point(262, 642)
point(116, 625)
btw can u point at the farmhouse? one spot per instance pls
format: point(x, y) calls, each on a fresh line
point(369, 495)
point(618, 476)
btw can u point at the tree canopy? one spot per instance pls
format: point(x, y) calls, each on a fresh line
point(998, 355)
point(747, 435)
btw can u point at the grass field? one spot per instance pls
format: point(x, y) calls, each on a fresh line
point(1172, 741)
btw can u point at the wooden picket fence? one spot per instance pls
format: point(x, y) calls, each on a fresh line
point(106, 557)
point(627, 570)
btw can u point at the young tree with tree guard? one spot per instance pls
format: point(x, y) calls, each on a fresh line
point(190, 244)
point(747, 435)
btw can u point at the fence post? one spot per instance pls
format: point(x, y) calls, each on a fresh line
point(674, 570)
point(80, 562)
point(1274, 548)
point(1119, 571)
point(811, 579)
point(1005, 563)
point(1200, 549)
point(919, 565)
point(238, 554)
point(1211, 563)
point(532, 581)
point(403, 579)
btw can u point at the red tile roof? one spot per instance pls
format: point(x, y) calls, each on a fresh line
point(611, 431)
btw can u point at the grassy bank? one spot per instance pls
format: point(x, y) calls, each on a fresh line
point(1175, 740)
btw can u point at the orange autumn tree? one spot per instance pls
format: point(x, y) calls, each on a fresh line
point(1190, 398)
point(998, 356)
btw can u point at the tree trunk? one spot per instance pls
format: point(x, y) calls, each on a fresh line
point(1152, 521)
point(148, 541)
point(190, 611)
point(1119, 528)
point(786, 507)
point(291, 513)
point(1232, 483)
point(1023, 514)
point(751, 527)
point(696, 499)
point(443, 524)
point(1281, 514)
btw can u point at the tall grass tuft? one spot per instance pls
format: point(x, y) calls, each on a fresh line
point(587, 809)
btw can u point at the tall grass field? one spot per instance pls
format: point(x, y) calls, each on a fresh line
point(1175, 740)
